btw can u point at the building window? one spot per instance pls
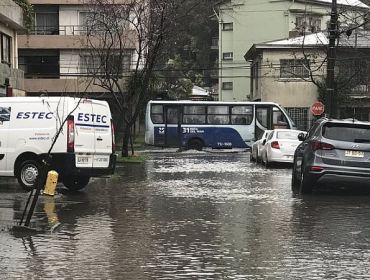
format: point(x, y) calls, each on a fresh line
point(227, 85)
point(227, 56)
point(308, 24)
point(5, 49)
point(39, 65)
point(227, 26)
point(294, 68)
point(115, 64)
point(46, 20)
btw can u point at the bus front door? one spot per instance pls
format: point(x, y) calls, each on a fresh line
point(263, 119)
point(173, 126)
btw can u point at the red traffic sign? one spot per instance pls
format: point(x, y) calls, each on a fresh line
point(317, 108)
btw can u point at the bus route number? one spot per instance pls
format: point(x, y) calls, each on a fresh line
point(192, 130)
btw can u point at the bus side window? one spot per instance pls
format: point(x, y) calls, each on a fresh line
point(156, 114)
point(242, 114)
point(262, 117)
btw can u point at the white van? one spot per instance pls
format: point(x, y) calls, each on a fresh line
point(84, 147)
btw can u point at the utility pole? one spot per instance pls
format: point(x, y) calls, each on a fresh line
point(331, 59)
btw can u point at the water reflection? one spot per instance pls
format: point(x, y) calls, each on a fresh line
point(197, 215)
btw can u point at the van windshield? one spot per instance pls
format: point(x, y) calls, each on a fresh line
point(347, 132)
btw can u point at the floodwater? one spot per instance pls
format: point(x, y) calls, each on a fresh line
point(189, 215)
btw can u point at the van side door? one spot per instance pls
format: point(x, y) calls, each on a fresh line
point(5, 113)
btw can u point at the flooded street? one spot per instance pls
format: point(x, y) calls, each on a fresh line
point(189, 215)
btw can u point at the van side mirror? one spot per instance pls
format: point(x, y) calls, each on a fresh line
point(264, 142)
point(301, 136)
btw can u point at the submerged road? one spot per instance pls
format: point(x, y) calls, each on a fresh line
point(189, 215)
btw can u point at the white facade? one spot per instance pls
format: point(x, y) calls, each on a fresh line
point(243, 23)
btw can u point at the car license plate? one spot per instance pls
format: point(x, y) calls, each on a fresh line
point(358, 154)
point(82, 160)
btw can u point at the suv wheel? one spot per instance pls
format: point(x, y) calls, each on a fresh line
point(295, 182)
point(306, 187)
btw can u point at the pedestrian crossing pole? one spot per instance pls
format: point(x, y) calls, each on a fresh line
point(330, 85)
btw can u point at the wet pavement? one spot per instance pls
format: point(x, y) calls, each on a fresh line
point(189, 215)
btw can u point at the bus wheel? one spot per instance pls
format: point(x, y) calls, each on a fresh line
point(27, 174)
point(76, 183)
point(195, 144)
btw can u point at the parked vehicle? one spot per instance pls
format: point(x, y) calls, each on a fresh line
point(280, 146)
point(257, 146)
point(333, 152)
point(84, 147)
point(215, 124)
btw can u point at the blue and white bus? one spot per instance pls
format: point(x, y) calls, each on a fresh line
point(216, 124)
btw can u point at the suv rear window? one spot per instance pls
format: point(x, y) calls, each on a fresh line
point(346, 132)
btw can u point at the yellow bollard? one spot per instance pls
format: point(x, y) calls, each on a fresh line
point(49, 208)
point(51, 183)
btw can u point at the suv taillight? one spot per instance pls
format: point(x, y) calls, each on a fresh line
point(275, 145)
point(321, 146)
point(70, 134)
point(113, 137)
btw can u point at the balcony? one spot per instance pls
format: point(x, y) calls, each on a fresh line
point(12, 15)
point(69, 37)
point(71, 86)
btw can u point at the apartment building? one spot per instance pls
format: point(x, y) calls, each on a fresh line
point(55, 56)
point(11, 24)
point(287, 74)
point(243, 23)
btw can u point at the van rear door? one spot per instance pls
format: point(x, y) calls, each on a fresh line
point(5, 112)
point(103, 134)
point(84, 133)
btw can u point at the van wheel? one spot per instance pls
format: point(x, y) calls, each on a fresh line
point(27, 174)
point(76, 183)
point(195, 144)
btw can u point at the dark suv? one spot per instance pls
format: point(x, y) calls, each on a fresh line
point(333, 152)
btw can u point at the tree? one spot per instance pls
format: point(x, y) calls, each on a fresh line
point(130, 31)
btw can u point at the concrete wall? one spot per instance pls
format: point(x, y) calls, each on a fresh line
point(11, 22)
point(11, 15)
point(15, 76)
point(289, 92)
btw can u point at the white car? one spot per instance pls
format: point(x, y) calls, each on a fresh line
point(257, 146)
point(280, 146)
